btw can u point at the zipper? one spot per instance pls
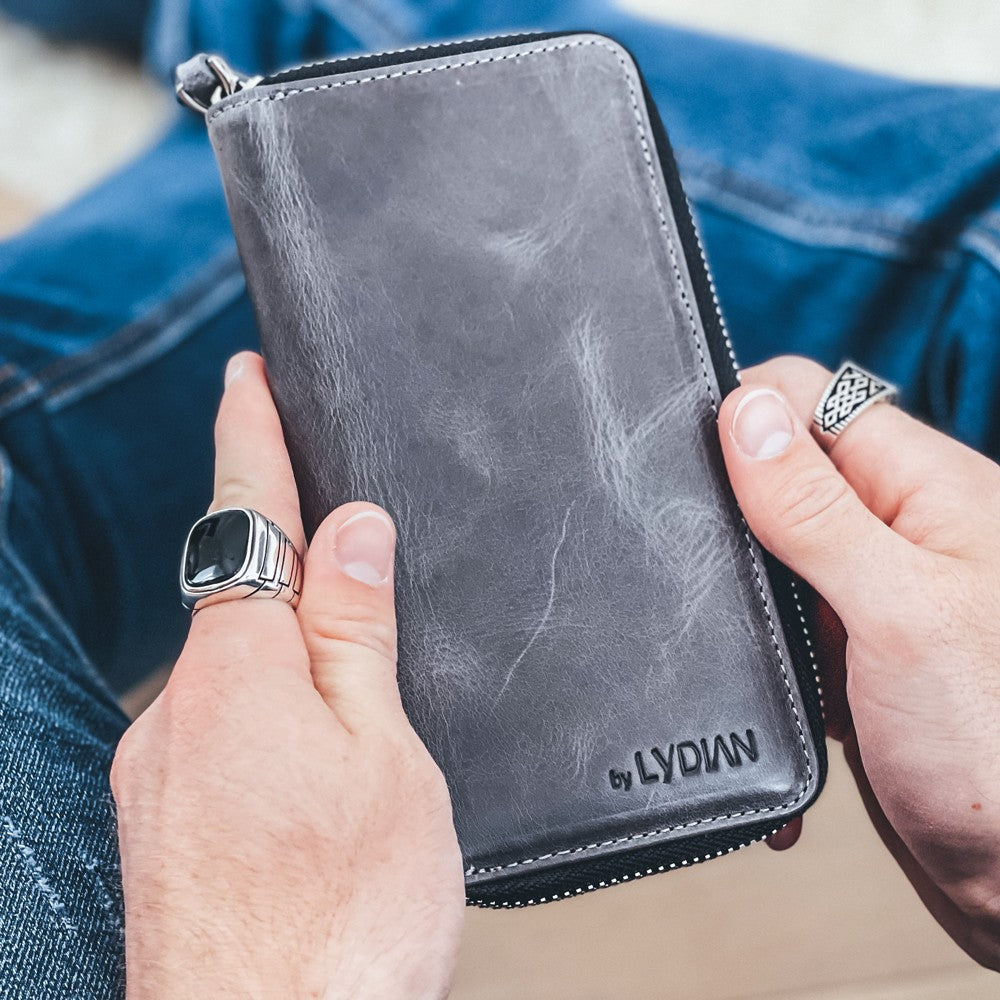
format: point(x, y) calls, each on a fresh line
point(592, 885)
point(204, 80)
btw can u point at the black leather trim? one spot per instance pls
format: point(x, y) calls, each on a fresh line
point(577, 878)
point(379, 60)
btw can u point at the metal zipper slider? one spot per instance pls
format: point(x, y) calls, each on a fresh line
point(205, 80)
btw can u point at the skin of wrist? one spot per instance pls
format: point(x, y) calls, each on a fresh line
point(172, 959)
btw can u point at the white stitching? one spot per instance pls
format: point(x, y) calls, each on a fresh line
point(664, 227)
point(280, 95)
point(322, 65)
point(809, 646)
point(491, 904)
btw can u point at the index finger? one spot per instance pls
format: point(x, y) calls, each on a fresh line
point(252, 470)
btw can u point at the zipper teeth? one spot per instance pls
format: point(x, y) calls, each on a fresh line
point(711, 288)
point(620, 880)
point(329, 65)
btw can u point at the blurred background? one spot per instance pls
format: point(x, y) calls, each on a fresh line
point(833, 919)
point(74, 112)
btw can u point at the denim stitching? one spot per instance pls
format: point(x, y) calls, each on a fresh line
point(155, 330)
point(36, 873)
point(974, 239)
point(835, 233)
point(70, 379)
point(145, 350)
point(34, 588)
point(720, 177)
point(163, 299)
point(25, 390)
point(786, 215)
point(105, 896)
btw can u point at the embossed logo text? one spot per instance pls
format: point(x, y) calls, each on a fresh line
point(686, 758)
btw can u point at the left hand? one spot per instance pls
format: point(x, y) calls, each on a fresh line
point(283, 830)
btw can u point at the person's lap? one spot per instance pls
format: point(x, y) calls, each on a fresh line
point(842, 214)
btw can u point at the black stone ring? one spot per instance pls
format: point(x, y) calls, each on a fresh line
point(235, 553)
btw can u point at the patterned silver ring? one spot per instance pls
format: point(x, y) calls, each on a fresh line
point(235, 553)
point(850, 392)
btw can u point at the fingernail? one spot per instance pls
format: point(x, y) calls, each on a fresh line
point(364, 547)
point(234, 369)
point(762, 426)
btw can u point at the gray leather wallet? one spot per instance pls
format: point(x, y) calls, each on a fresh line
point(483, 305)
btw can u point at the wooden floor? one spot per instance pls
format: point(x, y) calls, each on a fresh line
point(833, 919)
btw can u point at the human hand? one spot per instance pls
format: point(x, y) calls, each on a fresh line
point(898, 527)
point(283, 830)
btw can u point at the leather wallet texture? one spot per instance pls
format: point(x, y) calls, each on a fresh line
point(483, 305)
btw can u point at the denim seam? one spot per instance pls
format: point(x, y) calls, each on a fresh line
point(106, 898)
point(170, 289)
point(379, 15)
point(26, 389)
point(36, 874)
point(140, 341)
point(34, 588)
point(724, 178)
point(973, 240)
point(806, 227)
point(217, 285)
point(146, 349)
point(773, 210)
point(984, 245)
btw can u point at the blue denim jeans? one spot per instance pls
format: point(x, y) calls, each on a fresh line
point(844, 215)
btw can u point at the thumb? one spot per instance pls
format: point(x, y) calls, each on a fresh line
point(800, 507)
point(347, 613)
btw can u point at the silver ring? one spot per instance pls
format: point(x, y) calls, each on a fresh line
point(849, 393)
point(235, 553)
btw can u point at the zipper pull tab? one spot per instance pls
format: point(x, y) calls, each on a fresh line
point(205, 80)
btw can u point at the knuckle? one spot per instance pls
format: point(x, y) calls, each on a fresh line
point(231, 489)
point(357, 625)
point(124, 764)
point(431, 780)
point(415, 768)
point(806, 369)
point(809, 501)
point(787, 369)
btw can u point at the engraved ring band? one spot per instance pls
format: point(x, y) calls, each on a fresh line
point(850, 392)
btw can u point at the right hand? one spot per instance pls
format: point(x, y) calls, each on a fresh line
point(898, 527)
